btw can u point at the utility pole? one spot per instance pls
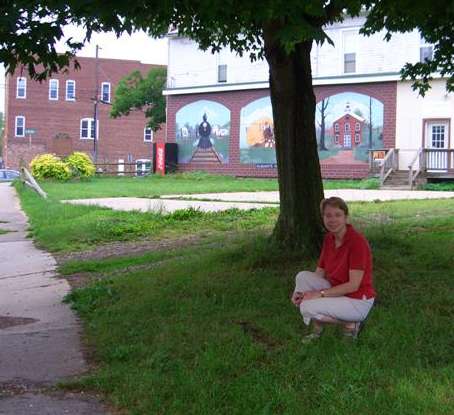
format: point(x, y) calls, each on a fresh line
point(95, 115)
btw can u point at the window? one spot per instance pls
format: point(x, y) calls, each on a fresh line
point(21, 87)
point(357, 126)
point(438, 136)
point(425, 53)
point(336, 127)
point(70, 90)
point(425, 50)
point(53, 89)
point(347, 127)
point(336, 139)
point(87, 129)
point(349, 40)
point(20, 126)
point(222, 73)
point(105, 92)
point(349, 62)
point(357, 139)
point(148, 134)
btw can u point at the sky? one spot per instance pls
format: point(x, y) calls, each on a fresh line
point(138, 46)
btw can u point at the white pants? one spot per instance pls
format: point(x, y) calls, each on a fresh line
point(340, 308)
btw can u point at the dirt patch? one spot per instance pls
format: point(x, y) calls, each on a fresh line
point(129, 248)
point(257, 334)
point(9, 321)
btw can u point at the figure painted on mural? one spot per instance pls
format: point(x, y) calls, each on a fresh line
point(268, 136)
point(340, 291)
point(204, 133)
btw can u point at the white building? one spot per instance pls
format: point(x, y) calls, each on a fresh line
point(362, 71)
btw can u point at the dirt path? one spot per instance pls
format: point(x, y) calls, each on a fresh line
point(343, 157)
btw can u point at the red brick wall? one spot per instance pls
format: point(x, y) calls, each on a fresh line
point(118, 138)
point(235, 100)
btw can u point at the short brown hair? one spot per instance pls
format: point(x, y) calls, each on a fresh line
point(336, 202)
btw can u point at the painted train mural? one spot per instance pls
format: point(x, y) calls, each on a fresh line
point(347, 126)
point(203, 133)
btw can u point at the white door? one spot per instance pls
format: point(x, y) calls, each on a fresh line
point(347, 141)
point(436, 142)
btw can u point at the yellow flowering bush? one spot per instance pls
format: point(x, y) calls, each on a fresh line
point(49, 166)
point(80, 164)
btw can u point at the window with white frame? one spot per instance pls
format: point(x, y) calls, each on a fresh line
point(20, 126)
point(148, 134)
point(336, 139)
point(222, 73)
point(347, 127)
point(53, 89)
point(336, 127)
point(87, 129)
point(349, 41)
point(357, 138)
point(70, 90)
point(105, 92)
point(426, 51)
point(357, 126)
point(21, 87)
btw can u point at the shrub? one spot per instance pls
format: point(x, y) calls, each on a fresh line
point(80, 164)
point(49, 166)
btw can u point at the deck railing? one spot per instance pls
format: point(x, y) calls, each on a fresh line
point(389, 164)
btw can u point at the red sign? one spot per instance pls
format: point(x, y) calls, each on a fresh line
point(160, 158)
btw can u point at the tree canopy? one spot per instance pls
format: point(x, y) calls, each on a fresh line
point(29, 30)
point(134, 92)
point(281, 31)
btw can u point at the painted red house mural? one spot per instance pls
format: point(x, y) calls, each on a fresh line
point(347, 130)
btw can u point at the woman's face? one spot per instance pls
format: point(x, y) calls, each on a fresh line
point(334, 219)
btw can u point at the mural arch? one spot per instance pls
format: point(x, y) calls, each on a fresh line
point(202, 130)
point(257, 143)
point(348, 125)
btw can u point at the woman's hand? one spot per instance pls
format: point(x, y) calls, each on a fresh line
point(312, 295)
point(297, 297)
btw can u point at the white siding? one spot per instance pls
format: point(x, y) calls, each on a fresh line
point(190, 67)
point(412, 109)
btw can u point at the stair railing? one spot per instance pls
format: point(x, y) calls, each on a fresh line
point(413, 171)
point(389, 164)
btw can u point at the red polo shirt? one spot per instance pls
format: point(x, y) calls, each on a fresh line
point(354, 253)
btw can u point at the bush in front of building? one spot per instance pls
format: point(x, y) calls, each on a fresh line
point(49, 166)
point(80, 165)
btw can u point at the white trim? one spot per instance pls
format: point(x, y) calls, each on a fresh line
point(102, 91)
point(90, 123)
point(18, 79)
point(23, 126)
point(50, 88)
point(66, 90)
point(215, 88)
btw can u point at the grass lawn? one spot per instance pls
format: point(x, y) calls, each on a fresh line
point(209, 328)
point(155, 185)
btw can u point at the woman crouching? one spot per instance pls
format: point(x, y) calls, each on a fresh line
point(340, 291)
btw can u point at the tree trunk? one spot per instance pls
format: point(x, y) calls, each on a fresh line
point(299, 225)
point(322, 146)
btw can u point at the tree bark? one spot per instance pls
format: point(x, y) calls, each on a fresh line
point(299, 225)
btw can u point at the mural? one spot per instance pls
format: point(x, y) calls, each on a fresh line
point(348, 125)
point(257, 145)
point(203, 133)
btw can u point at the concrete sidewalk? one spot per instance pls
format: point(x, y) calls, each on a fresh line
point(214, 202)
point(39, 335)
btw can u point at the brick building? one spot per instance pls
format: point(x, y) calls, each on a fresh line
point(60, 114)
point(361, 73)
